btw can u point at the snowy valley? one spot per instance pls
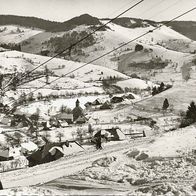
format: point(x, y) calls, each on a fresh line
point(82, 122)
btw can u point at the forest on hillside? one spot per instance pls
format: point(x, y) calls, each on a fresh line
point(47, 25)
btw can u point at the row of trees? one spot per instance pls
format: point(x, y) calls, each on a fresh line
point(11, 46)
point(161, 88)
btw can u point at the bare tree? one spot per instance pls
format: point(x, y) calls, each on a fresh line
point(59, 136)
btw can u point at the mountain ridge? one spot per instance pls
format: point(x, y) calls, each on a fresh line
point(186, 28)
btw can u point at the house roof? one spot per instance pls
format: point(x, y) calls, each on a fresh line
point(30, 146)
point(97, 102)
point(64, 116)
point(106, 105)
point(81, 119)
point(76, 109)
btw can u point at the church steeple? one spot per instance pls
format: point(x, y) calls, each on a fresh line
point(77, 111)
point(77, 103)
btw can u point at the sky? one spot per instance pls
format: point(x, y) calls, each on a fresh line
point(62, 10)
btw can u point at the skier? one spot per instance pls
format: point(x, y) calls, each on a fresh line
point(97, 140)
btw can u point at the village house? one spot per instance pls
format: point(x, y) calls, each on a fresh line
point(88, 105)
point(117, 99)
point(106, 106)
point(97, 102)
point(64, 117)
point(81, 120)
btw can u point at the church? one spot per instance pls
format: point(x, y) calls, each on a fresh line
point(77, 111)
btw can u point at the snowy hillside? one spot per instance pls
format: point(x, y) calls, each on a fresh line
point(10, 65)
point(134, 83)
point(164, 40)
point(16, 34)
point(60, 67)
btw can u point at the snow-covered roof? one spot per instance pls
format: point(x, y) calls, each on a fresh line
point(30, 146)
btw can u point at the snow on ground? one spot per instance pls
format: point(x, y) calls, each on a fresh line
point(173, 143)
point(16, 34)
point(162, 34)
point(134, 83)
point(36, 191)
point(63, 83)
point(160, 39)
point(163, 166)
point(9, 65)
point(179, 97)
point(88, 72)
point(54, 106)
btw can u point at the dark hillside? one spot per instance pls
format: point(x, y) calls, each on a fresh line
point(133, 22)
point(47, 25)
point(27, 22)
point(187, 28)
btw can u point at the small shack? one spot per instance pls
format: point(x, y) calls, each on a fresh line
point(113, 134)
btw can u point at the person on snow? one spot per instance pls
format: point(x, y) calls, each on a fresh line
point(97, 140)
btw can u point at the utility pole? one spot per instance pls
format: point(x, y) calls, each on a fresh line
point(47, 75)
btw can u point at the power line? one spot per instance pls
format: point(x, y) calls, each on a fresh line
point(158, 13)
point(155, 5)
point(165, 9)
point(79, 41)
point(105, 54)
point(122, 7)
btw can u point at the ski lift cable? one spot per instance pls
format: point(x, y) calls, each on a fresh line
point(107, 53)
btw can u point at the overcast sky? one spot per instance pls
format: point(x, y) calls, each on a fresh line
point(61, 10)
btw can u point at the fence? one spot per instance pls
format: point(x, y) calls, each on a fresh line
point(19, 163)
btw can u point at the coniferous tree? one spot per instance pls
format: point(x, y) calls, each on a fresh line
point(154, 91)
point(190, 116)
point(191, 112)
point(165, 104)
point(161, 87)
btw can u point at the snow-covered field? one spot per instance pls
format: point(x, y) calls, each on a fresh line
point(179, 97)
point(135, 83)
point(54, 106)
point(59, 66)
point(16, 34)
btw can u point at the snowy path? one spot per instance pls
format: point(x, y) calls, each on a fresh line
point(63, 167)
